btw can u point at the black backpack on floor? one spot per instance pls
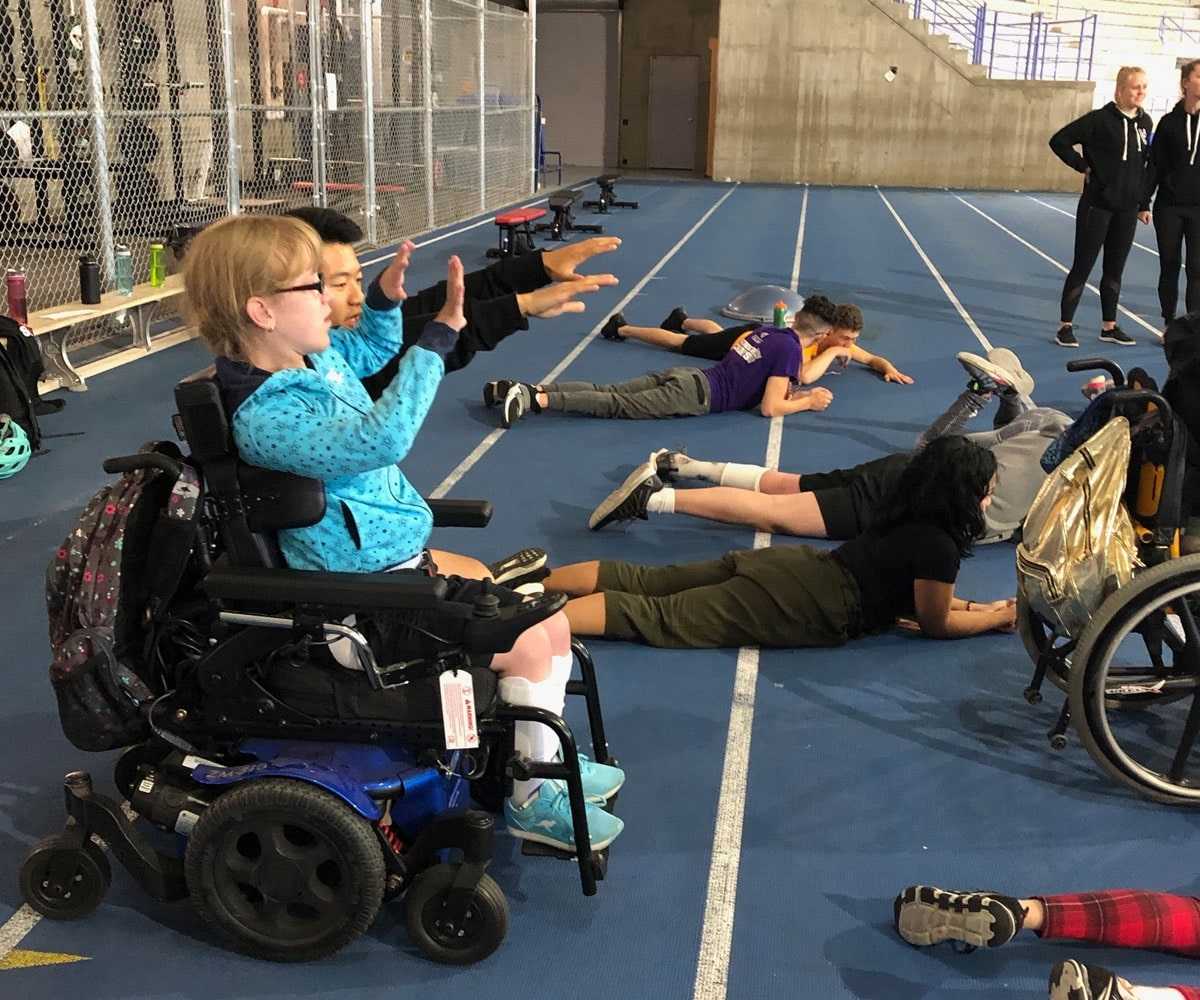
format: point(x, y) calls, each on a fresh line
point(20, 368)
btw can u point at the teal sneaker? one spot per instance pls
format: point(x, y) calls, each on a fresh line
point(600, 781)
point(546, 819)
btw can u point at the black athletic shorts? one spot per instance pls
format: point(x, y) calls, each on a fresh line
point(849, 498)
point(714, 346)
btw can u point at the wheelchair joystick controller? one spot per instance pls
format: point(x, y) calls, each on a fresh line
point(486, 606)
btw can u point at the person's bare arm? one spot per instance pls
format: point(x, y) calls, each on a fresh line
point(939, 617)
point(814, 369)
point(877, 363)
point(776, 402)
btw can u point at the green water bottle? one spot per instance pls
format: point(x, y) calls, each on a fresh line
point(158, 265)
point(124, 269)
point(781, 312)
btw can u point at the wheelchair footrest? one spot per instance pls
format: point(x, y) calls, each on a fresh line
point(532, 849)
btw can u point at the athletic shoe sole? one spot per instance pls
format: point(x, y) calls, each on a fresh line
point(925, 916)
point(520, 565)
point(1119, 341)
point(978, 366)
point(603, 514)
point(1062, 343)
point(540, 838)
point(514, 406)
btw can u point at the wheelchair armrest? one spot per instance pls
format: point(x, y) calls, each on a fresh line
point(402, 590)
point(498, 634)
point(460, 513)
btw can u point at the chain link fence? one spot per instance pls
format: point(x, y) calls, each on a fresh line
point(129, 122)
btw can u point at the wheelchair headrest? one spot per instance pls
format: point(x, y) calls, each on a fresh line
point(205, 424)
point(271, 500)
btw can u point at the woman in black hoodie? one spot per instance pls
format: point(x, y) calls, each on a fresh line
point(1116, 146)
point(1175, 171)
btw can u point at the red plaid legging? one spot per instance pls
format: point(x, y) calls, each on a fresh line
point(1127, 918)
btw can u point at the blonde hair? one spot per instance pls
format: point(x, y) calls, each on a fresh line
point(233, 260)
point(1125, 72)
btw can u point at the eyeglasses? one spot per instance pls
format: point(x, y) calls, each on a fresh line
point(315, 286)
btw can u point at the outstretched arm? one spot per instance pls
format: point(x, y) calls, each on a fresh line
point(877, 363)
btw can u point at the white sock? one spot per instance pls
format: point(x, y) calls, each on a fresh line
point(744, 477)
point(532, 739)
point(662, 502)
point(693, 468)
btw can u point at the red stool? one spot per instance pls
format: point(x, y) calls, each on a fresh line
point(516, 232)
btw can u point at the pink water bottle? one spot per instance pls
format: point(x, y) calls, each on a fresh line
point(18, 302)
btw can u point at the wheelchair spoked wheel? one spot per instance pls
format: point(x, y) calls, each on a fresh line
point(64, 880)
point(455, 942)
point(285, 870)
point(1144, 643)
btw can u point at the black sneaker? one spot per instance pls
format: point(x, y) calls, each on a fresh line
point(628, 501)
point(495, 391)
point(609, 330)
point(1065, 337)
point(1117, 336)
point(1072, 980)
point(926, 915)
point(525, 566)
point(517, 402)
point(674, 322)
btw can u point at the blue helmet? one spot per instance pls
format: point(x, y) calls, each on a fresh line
point(14, 447)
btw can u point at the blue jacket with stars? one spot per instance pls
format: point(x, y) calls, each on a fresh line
point(319, 421)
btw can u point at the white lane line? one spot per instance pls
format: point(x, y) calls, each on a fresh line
point(484, 446)
point(795, 285)
point(1050, 260)
point(13, 932)
point(1071, 215)
point(966, 316)
point(720, 904)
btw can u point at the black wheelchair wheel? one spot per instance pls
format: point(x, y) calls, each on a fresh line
point(64, 881)
point(464, 942)
point(286, 871)
point(1143, 645)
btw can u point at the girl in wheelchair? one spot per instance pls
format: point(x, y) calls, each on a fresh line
point(296, 403)
point(903, 568)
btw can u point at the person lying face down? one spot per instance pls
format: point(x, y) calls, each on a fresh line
point(904, 567)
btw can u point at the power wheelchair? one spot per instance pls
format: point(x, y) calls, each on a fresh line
point(1132, 676)
point(288, 796)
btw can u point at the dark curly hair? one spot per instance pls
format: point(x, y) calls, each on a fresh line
point(847, 317)
point(943, 485)
point(818, 305)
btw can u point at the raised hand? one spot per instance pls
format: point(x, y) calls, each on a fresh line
point(451, 312)
point(391, 282)
point(561, 264)
point(554, 300)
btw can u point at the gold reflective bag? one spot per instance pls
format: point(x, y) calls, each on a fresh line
point(1078, 543)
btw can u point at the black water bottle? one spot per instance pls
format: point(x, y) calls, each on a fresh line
point(89, 280)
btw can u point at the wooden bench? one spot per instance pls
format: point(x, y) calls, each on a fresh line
point(53, 326)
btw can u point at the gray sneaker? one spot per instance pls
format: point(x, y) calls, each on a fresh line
point(1001, 370)
point(926, 915)
point(628, 501)
point(1072, 980)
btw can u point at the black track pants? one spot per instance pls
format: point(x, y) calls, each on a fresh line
point(1096, 229)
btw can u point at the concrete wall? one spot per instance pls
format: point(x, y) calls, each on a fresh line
point(802, 97)
point(578, 77)
point(662, 28)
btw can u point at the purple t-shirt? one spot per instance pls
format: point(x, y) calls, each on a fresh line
point(738, 381)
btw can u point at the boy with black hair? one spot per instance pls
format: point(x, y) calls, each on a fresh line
point(500, 298)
